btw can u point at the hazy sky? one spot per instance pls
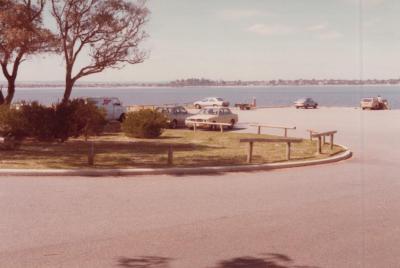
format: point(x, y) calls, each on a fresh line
point(257, 40)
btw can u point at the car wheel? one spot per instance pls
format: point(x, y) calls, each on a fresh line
point(174, 124)
point(121, 118)
point(315, 106)
point(197, 106)
point(232, 124)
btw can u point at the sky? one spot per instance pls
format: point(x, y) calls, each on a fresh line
point(256, 40)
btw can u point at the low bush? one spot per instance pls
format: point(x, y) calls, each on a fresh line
point(12, 123)
point(58, 122)
point(77, 118)
point(144, 123)
point(41, 121)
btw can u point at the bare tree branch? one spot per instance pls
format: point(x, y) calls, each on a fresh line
point(109, 31)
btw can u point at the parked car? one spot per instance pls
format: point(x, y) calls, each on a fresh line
point(176, 115)
point(210, 101)
point(375, 103)
point(111, 105)
point(213, 115)
point(305, 103)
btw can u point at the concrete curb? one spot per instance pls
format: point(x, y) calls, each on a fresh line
point(172, 171)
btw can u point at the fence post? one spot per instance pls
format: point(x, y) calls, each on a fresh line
point(170, 156)
point(319, 147)
point(259, 130)
point(331, 141)
point(288, 146)
point(285, 132)
point(250, 152)
point(194, 127)
point(222, 128)
point(91, 154)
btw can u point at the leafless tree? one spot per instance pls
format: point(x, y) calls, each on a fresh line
point(109, 31)
point(21, 35)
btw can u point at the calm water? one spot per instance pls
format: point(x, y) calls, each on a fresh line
point(345, 96)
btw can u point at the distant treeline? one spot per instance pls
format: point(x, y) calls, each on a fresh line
point(192, 82)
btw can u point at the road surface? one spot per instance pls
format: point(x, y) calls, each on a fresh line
point(345, 214)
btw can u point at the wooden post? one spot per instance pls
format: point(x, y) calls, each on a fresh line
point(250, 153)
point(194, 127)
point(170, 156)
point(222, 128)
point(285, 132)
point(323, 140)
point(331, 141)
point(259, 130)
point(288, 146)
point(91, 155)
point(319, 147)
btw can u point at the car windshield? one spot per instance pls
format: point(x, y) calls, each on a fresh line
point(219, 99)
point(209, 111)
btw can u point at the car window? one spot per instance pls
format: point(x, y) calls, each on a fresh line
point(219, 99)
point(211, 100)
point(208, 111)
point(227, 111)
point(182, 110)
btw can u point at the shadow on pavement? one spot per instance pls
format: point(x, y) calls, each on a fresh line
point(268, 260)
point(144, 262)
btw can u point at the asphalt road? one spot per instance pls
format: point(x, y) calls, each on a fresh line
point(338, 215)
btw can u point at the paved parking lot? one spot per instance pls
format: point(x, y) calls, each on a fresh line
point(338, 215)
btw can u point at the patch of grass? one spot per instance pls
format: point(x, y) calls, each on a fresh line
point(191, 149)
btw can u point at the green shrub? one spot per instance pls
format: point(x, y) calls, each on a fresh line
point(58, 122)
point(145, 123)
point(41, 121)
point(12, 123)
point(77, 118)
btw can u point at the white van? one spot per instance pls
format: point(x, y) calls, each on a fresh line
point(111, 105)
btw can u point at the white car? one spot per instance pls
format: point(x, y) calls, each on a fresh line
point(213, 115)
point(111, 105)
point(211, 101)
point(305, 103)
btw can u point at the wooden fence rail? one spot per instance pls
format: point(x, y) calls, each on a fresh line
point(285, 128)
point(321, 138)
point(251, 142)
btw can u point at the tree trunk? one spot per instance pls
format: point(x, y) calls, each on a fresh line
point(69, 83)
point(10, 91)
point(2, 100)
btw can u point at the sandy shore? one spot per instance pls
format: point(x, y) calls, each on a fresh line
point(339, 215)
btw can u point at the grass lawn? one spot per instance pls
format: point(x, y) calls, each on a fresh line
point(202, 148)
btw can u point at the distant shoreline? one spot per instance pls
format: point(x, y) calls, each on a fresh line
point(119, 86)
